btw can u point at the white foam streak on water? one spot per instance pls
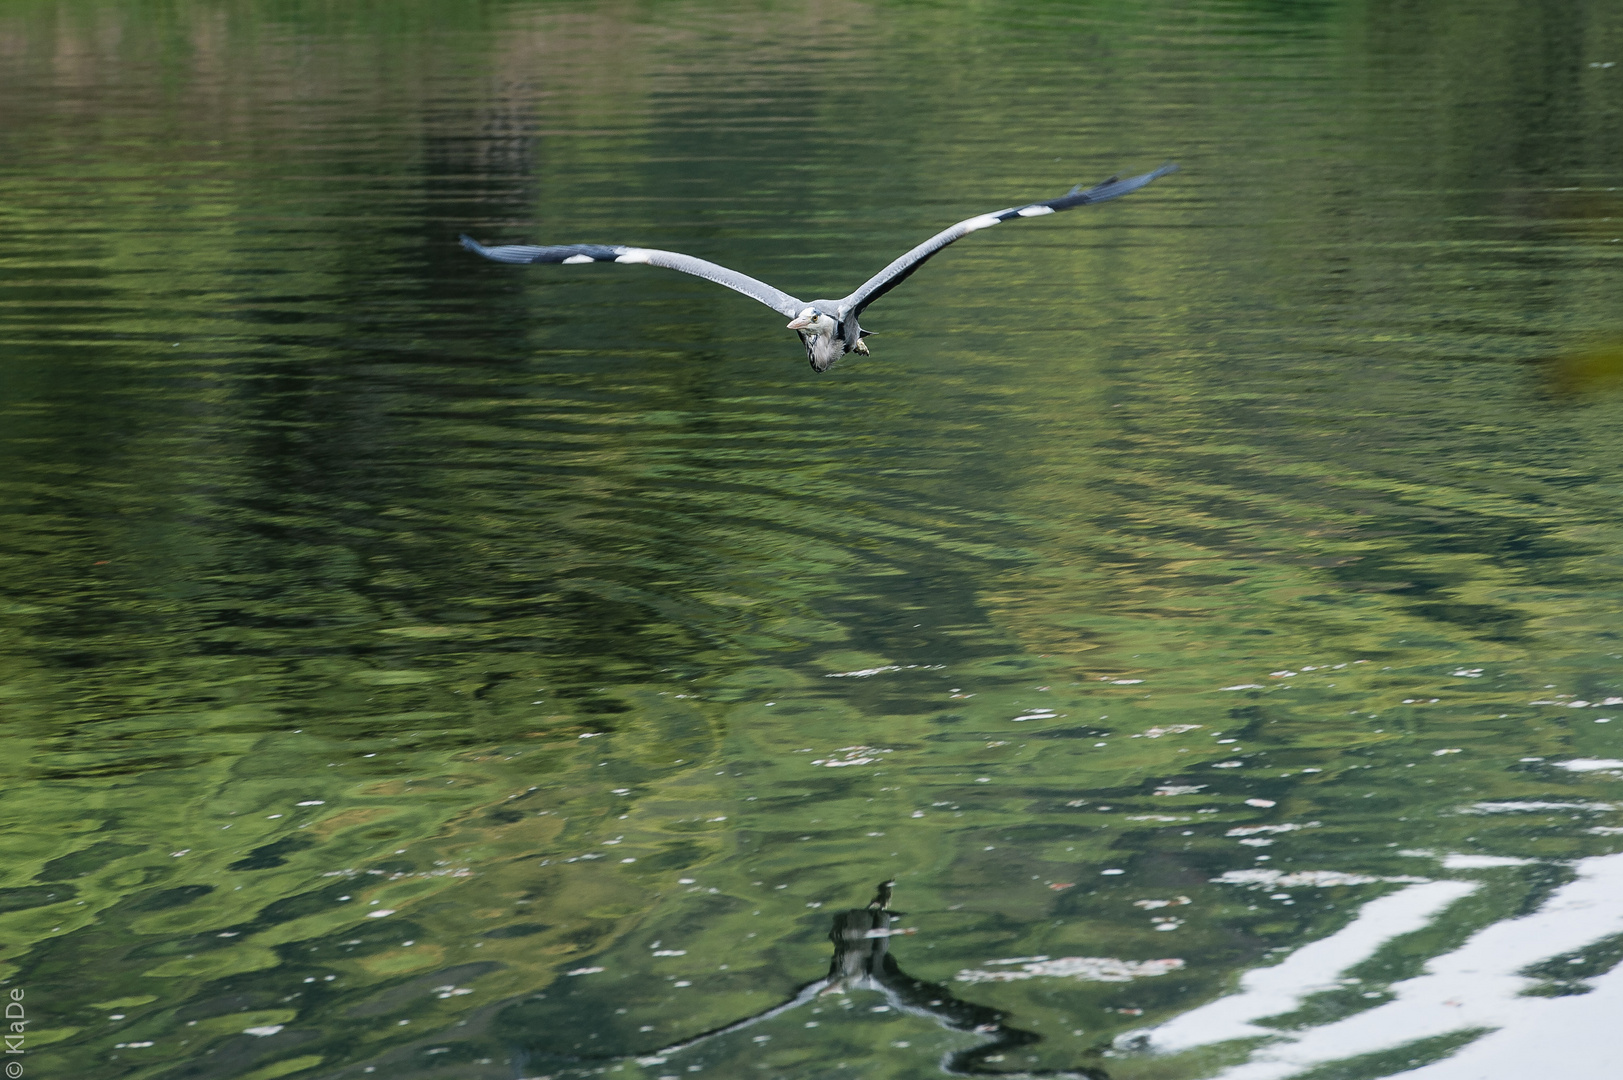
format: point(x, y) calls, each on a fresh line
point(1530, 806)
point(1312, 879)
point(1551, 1037)
point(1085, 968)
point(1481, 862)
point(1281, 988)
point(1476, 986)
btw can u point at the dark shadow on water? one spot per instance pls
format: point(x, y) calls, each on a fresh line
point(863, 962)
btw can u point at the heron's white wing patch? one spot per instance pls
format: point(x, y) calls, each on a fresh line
point(899, 270)
point(671, 260)
point(871, 290)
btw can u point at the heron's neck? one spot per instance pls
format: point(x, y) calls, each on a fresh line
point(823, 350)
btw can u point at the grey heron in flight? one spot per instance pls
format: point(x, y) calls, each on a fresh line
point(828, 328)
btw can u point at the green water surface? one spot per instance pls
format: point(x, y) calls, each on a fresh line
point(386, 634)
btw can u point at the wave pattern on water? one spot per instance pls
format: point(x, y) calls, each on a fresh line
point(424, 666)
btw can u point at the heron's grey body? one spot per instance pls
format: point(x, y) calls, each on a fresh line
point(828, 328)
point(826, 337)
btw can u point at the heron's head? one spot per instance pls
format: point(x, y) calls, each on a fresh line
point(810, 320)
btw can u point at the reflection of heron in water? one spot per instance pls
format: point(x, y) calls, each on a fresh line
point(862, 961)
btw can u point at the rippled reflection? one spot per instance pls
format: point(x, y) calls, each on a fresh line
point(1512, 998)
point(1196, 605)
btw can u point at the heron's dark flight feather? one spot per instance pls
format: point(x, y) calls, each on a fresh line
point(901, 269)
point(824, 346)
point(524, 253)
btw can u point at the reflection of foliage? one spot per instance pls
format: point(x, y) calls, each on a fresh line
point(382, 533)
point(1586, 370)
point(1397, 1060)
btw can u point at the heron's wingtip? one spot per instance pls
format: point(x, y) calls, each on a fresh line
point(1169, 167)
point(472, 245)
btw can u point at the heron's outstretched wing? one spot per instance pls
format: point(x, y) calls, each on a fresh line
point(775, 299)
point(898, 271)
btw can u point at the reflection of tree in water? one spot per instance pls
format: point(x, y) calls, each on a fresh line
point(862, 961)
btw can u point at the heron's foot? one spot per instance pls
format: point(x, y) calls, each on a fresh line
point(860, 348)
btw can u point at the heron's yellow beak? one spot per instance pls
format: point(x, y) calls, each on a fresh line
point(802, 322)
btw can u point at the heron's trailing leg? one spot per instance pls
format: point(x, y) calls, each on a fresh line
point(860, 348)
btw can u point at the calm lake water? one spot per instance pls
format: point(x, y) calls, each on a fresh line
point(1207, 608)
